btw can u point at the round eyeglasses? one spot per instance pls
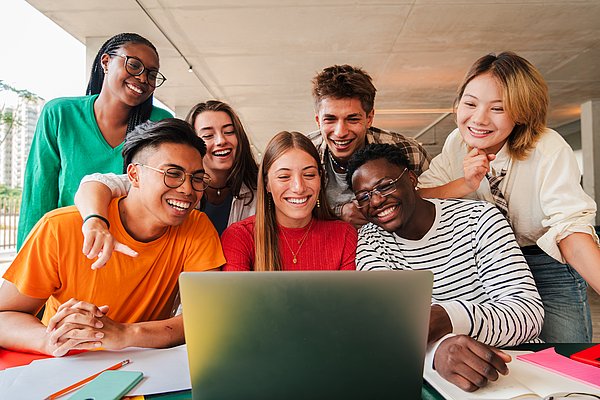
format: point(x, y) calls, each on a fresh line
point(385, 188)
point(174, 177)
point(135, 67)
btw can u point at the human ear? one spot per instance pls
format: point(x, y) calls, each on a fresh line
point(133, 176)
point(104, 62)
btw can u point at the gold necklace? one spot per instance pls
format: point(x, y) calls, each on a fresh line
point(300, 242)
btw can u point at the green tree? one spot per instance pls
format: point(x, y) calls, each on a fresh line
point(8, 116)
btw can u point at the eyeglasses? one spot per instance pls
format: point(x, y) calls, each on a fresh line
point(385, 188)
point(135, 67)
point(174, 177)
point(572, 396)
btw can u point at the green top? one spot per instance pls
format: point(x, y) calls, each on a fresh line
point(67, 145)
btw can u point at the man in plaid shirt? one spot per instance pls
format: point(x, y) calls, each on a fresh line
point(344, 97)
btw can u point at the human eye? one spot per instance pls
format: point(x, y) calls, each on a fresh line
point(498, 109)
point(283, 177)
point(362, 198)
point(384, 186)
point(469, 103)
point(174, 173)
point(310, 175)
point(135, 65)
point(208, 136)
point(229, 133)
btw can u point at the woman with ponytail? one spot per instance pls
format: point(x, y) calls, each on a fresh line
point(77, 136)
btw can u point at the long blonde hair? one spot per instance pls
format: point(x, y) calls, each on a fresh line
point(525, 97)
point(266, 242)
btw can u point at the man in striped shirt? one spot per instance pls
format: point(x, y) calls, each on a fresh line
point(483, 291)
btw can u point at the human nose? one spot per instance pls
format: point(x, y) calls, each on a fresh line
point(340, 129)
point(479, 116)
point(298, 184)
point(219, 138)
point(376, 198)
point(186, 186)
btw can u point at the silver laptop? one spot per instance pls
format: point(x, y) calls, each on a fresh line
point(306, 335)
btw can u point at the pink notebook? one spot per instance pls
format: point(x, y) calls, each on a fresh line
point(552, 361)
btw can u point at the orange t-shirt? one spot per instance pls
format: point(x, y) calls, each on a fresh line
point(143, 288)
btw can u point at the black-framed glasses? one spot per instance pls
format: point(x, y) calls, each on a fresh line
point(174, 177)
point(572, 396)
point(385, 188)
point(135, 67)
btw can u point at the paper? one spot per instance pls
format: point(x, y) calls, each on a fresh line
point(523, 381)
point(560, 364)
point(44, 377)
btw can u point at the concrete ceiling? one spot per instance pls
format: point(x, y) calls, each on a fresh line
point(260, 55)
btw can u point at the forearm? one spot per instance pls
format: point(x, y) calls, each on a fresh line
point(451, 190)
point(155, 334)
point(93, 198)
point(581, 251)
point(22, 332)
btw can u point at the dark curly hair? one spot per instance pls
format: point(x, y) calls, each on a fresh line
point(393, 154)
point(344, 81)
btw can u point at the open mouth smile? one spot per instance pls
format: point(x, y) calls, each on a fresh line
point(179, 205)
point(297, 200)
point(222, 153)
point(479, 132)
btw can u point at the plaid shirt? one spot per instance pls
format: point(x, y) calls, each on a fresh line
point(418, 158)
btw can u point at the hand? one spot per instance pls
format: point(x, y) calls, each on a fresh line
point(351, 214)
point(439, 323)
point(475, 165)
point(469, 364)
point(99, 242)
point(76, 325)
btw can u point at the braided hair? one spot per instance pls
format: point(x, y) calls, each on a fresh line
point(140, 113)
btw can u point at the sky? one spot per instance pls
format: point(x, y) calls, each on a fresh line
point(38, 55)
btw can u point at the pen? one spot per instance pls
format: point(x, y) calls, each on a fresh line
point(86, 380)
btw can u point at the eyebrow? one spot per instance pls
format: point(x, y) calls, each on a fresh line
point(476, 98)
point(210, 128)
point(303, 169)
point(181, 168)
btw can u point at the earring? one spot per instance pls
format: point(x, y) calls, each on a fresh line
point(318, 203)
point(269, 201)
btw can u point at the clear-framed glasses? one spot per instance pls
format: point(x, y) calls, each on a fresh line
point(572, 396)
point(174, 177)
point(385, 188)
point(135, 67)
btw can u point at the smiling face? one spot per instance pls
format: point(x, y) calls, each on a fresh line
point(131, 90)
point(343, 124)
point(482, 119)
point(159, 205)
point(294, 182)
point(218, 132)
point(395, 211)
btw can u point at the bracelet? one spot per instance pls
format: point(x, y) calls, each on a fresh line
point(100, 217)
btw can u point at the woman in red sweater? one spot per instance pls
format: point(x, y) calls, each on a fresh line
point(294, 228)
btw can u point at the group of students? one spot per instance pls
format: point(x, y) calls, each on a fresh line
point(499, 280)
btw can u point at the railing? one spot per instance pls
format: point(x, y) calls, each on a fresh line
point(9, 221)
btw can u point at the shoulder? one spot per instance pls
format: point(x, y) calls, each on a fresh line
point(159, 114)
point(550, 143)
point(317, 138)
point(337, 226)
point(61, 104)
point(62, 214)
point(245, 226)
point(454, 208)
point(377, 135)
point(197, 221)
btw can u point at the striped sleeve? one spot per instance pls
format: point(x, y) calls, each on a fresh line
point(513, 312)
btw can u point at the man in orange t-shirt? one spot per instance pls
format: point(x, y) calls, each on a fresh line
point(129, 302)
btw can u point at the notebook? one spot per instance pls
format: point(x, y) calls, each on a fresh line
point(311, 334)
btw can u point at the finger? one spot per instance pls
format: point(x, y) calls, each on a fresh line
point(505, 357)
point(488, 356)
point(76, 321)
point(103, 258)
point(101, 244)
point(76, 332)
point(472, 378)
point(75, 306)
point(60, 313)
point(491, 157)
point(473, 152)
point(124, 249)
point(73, 344)
point(88, 241)
point(462, 383)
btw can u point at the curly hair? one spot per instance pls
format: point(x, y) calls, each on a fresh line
point(375, 151)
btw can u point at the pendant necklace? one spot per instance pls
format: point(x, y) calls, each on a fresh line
point(300, 242)
point(218, 189)
point(337, 164)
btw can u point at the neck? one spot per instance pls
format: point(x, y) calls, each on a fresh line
point(111, 111)
point(139, 224)
point(294, 223)
point(218, 178)
point(420, 222)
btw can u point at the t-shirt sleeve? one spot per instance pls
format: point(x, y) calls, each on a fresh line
point(238, 247)
point(204, 252)
point(441, 170)
point(119, 185)
point(369, 254)
point(349, 251)
point(40, 187)
point(34, 270)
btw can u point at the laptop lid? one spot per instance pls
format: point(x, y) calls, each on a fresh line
point(306, 335)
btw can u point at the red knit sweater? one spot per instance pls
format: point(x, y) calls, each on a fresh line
point(329, 245)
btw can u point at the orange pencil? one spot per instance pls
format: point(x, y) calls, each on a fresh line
point(84, 381)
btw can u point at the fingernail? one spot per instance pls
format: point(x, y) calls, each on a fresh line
point(99, 335)
point(97, 344)
point(99, 324)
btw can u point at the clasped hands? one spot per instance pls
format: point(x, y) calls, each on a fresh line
point(78, 325)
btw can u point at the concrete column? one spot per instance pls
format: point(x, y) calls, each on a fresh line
point(590, 143)
point(92, 45)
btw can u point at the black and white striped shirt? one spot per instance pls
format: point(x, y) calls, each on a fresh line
point(480, 275)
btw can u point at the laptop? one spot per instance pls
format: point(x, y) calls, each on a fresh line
point(306, 335)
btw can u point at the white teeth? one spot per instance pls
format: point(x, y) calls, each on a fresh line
point(341, 142)
point(386, 212)
point(222, 152)
point(181, 205)
point(479, 131)
point(298, 201)
point(135, 88)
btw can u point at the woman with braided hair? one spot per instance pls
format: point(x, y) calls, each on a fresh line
point(76, 136)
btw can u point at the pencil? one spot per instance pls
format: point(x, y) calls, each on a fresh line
point(84, 381)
